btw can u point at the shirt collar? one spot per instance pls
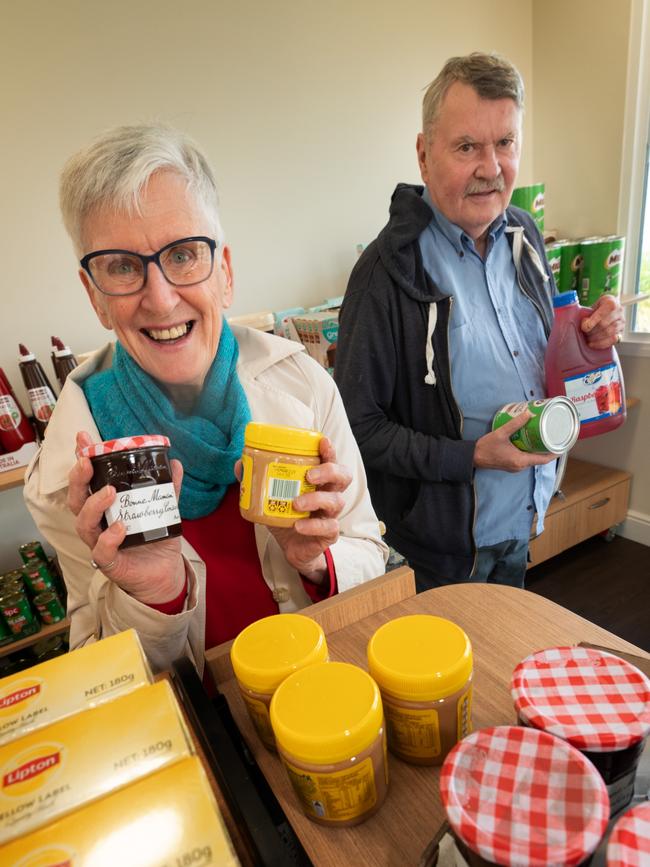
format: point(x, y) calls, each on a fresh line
point(456, 236)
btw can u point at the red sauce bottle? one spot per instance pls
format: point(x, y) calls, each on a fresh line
point(39, 389)
point(63, 360)
point(15, 429)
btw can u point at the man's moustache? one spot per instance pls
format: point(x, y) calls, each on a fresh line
point(495, 186)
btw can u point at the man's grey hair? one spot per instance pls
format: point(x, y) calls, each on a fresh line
point(491, 76)
point(114, 169)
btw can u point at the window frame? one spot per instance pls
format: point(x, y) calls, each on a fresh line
point(635, 151)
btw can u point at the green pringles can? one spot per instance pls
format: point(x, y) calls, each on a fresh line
point(49, 607)
point(554, 427)
point(530, 199)
point(602, 267)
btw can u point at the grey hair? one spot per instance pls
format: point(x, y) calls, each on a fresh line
point(491, 76)
point(114, 169)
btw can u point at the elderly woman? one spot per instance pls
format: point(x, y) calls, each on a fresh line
point(138, 204)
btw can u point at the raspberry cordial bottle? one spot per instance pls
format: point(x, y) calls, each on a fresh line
point(591, 378)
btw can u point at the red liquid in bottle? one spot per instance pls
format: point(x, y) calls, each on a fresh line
point(591, 378)
point(15, 429)
point(39, 390)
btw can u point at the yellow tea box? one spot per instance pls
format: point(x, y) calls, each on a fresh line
point(75, 681)
point(169, 818)
point(50, 772)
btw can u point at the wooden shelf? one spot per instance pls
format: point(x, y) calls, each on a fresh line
point(12, 478)
point(43, 632)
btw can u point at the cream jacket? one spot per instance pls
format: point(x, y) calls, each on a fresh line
point(283, 386)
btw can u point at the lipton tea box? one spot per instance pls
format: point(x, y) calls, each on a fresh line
point(49, 772)
point(75, 681)
point(169, 818)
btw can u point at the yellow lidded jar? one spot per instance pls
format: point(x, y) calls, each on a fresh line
point(275, 461)
point(423, 666)
point(329, 729)
point(265, 653)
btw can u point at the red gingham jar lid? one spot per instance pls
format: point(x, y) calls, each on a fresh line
point(594, 700)
point(629, 842)
point(124, 444)
point(518, 796)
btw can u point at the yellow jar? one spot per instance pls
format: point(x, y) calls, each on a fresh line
point(275, 461)
point(423, 666)
point(265, 653)
point(329, 729)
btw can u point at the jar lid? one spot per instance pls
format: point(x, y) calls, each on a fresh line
point(326, 713)
point(277, 438)
point(594, 700)
point(420, 657)
point(272, 648)
point(518, 796)
point(629, 842)
point(124, 444)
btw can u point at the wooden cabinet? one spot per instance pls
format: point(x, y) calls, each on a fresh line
point(593, 498)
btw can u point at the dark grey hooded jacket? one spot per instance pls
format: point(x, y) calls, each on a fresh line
point(392, 369)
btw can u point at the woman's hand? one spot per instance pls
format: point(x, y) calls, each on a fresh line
point(153, 573)
point(304, 544)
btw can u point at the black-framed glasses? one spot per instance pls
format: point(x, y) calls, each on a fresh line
point(121, 272)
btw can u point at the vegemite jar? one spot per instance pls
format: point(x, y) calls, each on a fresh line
point(329, 730)
point(275, 462)
point(518, 797)
point(423, 667)
point(139, 470)
point(629, 842)
point(267, 652)
point(594, 700)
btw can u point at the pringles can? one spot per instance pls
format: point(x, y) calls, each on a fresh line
point(554, 427)
point(530, 199)
point(602, 267)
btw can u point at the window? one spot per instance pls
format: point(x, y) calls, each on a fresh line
point(634, 208)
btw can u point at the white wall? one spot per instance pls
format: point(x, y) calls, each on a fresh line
point(308, 111)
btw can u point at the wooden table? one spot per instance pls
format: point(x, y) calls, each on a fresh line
point(504, 625)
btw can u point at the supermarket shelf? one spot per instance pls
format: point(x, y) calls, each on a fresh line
point(12, 478)
point(44, 632)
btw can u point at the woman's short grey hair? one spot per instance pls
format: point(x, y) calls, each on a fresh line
point(491, 76)
point(113, 172)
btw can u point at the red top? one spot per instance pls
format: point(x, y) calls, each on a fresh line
point(236, 592)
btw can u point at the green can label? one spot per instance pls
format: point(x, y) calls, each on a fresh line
point(531, 199)
point(32, 551)
point(37, 577)
point(49, 607)
point(18, 615)
point(554, 427)
point(602, 268)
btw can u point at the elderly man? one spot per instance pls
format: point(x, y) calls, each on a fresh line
point(446, 319)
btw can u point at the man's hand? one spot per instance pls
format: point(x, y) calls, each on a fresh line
point(494, 451)
point(153, 573)
point(605, 323)
point(304, 544)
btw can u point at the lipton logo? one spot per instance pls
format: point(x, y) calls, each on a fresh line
point(613, 259)
point(538, 203)
point(31, 769)
point(18, 696)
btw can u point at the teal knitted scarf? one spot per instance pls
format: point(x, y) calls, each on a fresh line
point(126, 401)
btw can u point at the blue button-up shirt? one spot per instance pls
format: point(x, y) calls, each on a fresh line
point(496, 348)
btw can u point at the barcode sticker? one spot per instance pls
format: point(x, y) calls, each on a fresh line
point(283, 489)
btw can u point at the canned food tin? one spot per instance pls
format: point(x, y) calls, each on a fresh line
point(38, 577)
point(18, 614)
point(570, 266)
point(32, 551)
point(602, 266)
point(5, 633)
point(49, 607)
point(554, 259)
point(531, 199)
point(554, 427)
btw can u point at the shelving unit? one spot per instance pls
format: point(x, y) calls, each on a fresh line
point(12, 478)
point(44, 632)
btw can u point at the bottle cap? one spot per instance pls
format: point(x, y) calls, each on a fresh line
point(25, 354)
point(565, 298)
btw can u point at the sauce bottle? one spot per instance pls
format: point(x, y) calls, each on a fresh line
point(63, 360)
point(15, 429)
point(591, 378)
point(38, 388)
